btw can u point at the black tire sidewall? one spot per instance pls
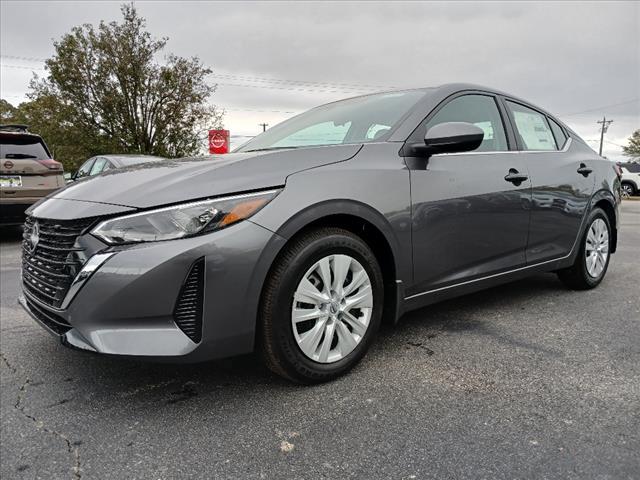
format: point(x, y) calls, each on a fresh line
point(293, 360)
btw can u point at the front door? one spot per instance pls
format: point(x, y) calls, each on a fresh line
point(470, 210)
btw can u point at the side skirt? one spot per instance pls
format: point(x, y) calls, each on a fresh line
point(429, 297)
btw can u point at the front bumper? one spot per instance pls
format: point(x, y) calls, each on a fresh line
point(127, 306)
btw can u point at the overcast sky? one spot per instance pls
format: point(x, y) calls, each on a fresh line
point(578, 60)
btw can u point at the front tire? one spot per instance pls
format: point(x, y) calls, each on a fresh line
point(321, 306)
point(592, 260)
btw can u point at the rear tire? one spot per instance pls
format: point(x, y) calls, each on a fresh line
point(317, 337)
point(592, 260)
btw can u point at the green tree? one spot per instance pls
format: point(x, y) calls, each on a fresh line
point(633, 148)
point(7, 112)
point(106, 92)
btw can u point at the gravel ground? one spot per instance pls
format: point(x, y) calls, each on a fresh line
point(527, 380)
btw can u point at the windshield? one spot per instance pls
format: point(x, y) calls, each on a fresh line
point(22, 147)
point(356, 120)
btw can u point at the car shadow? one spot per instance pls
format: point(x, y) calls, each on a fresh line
point(124, 380)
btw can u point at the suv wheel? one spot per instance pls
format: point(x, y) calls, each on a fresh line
point(628, 189)
point(592, 261)
point(321, 306)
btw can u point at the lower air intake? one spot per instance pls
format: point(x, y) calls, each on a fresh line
point(188, 311)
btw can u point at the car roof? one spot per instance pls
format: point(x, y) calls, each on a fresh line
point(435, 95)
point(128, 155)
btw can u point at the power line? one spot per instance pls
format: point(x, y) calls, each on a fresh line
point(28, 59)
point(596, 109)
point(247, 78)
point(33, 69)
point(349, 86)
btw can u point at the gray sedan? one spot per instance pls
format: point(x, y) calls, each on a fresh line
point(301, 242)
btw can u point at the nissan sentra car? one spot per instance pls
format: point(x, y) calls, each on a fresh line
point(301, 242)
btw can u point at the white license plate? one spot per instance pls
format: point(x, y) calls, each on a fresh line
point(10, 181)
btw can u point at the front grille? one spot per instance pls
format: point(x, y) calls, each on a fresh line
point(52, 321)
point(49, 269)
point(188, 311)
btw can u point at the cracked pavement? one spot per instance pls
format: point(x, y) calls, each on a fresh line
point(527, 380)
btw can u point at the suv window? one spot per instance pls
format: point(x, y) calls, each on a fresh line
point(632, 167)
point(532, 127)
point(84, 170)
point(22, 146)
point(482, 111)
point(558, 133)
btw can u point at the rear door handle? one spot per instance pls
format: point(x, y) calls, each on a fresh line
point(584, 170)
point(515, 177)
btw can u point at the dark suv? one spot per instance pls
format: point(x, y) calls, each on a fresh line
point(27, 172)
point(300, 242)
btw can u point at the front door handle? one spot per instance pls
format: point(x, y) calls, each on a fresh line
point(515, 177)
point(584, 170)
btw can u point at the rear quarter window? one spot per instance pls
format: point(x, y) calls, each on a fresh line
point(558, 133)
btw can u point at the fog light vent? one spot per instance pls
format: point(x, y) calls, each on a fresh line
point(188, 311)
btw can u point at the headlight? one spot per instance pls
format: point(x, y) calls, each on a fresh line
point(182, 220)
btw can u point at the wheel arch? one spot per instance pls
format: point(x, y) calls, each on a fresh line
point(370, 226)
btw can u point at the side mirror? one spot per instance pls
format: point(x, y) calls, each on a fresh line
point(69, 177)
point(449, 137)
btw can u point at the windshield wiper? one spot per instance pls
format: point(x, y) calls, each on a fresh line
point(267, 149)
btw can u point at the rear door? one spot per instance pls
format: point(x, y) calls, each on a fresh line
point(470, 214)
point(562, 182)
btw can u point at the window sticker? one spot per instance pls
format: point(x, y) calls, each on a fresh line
point(534, 132)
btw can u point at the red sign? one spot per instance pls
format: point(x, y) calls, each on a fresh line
point(218, 141)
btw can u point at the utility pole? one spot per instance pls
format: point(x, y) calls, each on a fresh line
point(605, 126)
point(264, 126)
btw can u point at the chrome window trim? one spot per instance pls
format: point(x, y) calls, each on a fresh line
point(567, 144)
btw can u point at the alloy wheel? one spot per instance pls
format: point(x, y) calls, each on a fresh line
point(332, 308)
point(597, 247)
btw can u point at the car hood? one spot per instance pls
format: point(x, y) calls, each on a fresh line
point(172, 181)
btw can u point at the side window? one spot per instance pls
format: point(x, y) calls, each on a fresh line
point(482, 111)
point(558, 134)
point(98, 166)
point(107, 166)
point(84, 170)
point(532, 127)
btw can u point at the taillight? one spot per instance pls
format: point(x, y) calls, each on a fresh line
point(51, 164)
point(618, 170)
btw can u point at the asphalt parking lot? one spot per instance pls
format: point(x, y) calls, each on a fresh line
point(527, 380)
